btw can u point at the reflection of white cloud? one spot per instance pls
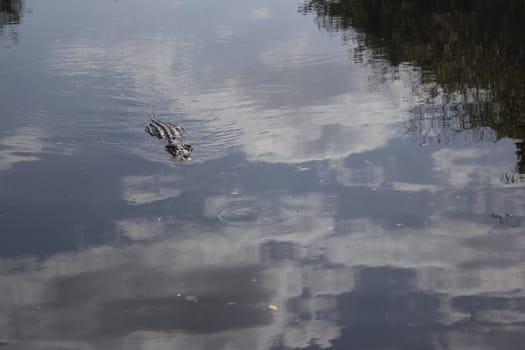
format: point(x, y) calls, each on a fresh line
point(20, 148)
point(177, 3)
point(288, 142)
point(227, 257)
point(483, 339)
point(448, 315)
point(460, 168)
point(440, 254)
point(261, 13)
point(413, 187)
point(444, 256)
point(370, 175)
point(148, 189)
point(225, 33)
point(477, 280)
point(306, 333)
point(179, 262)
point(501, 316)
point(27, 144)
point(500, 200)
point(139, 229)
point(287, 53)
point(155, 69)
point(250, 339)
point(330, 282)
point(231, 114)
point(160, 73)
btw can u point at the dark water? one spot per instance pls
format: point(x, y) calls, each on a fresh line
point(357, 179)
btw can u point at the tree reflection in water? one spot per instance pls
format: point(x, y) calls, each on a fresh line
point(10, 14)
point(470, 56)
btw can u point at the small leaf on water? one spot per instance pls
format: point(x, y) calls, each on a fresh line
point(191, 298)
point(272, 307)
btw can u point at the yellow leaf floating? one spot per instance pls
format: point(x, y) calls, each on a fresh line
point(272, 307)
point(191, 298)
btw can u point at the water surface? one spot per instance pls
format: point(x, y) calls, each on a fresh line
point(357, 165)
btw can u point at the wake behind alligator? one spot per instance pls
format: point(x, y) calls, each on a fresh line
point(174, 134)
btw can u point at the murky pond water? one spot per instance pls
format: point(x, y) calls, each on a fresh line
point(357, 177)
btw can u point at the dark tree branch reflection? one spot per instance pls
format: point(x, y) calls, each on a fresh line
point(472, 51)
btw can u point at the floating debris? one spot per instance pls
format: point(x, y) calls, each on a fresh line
point(191, 298)
point(273, 307)
point(507, 219)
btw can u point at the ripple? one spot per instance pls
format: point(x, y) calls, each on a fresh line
point(252, 212)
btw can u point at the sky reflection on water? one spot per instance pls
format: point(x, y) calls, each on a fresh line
point(326, 185)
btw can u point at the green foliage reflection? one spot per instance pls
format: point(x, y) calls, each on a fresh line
point(473, 50)
point(10, 12)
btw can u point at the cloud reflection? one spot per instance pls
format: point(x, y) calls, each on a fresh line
point(26, 144)
point(468, 166)
point(261, 13)
point(299, 252)
point(148, 189)
point(233, 264)
point(232, 111)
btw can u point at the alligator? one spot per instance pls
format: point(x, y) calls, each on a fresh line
point(173, 134)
